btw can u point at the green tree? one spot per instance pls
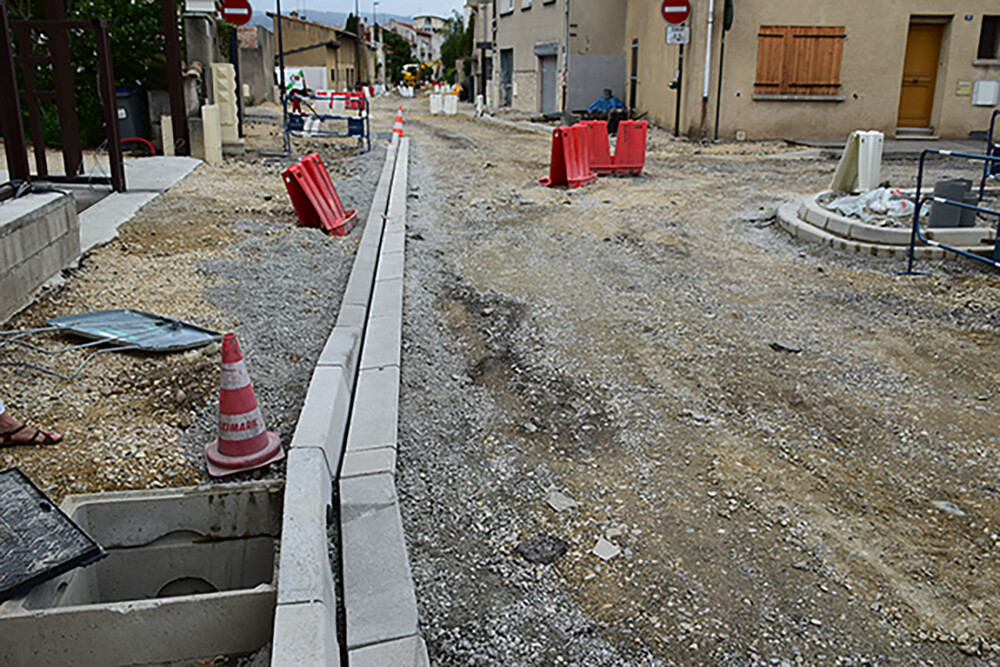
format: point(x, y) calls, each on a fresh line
point(397, 54)
point(137, 55)
point(352, 23)
point(457, 45)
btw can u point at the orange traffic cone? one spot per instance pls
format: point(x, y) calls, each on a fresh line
point(398, 127)
point(243, 442)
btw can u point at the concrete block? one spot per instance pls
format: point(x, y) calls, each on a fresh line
point(376, 409)
point(383, 339)
point(359, 286)
point(304, 571)
point(879, 235)
point(352, 316)
point(212, 134)
point(369, 462)
point(305, 634)
point(815, 215)
point(393, 241)
point(323, 419)
point(960, 238)
point(387, 299)
point(378, 587)
point(342, 349)
point(390, 266)
point(407, 652)
point(838, 225)
point(167, 132)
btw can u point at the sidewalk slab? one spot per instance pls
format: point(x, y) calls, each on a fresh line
point(146, 179)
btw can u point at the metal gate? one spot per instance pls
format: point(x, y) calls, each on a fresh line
point(506, 77)
point(547, 66)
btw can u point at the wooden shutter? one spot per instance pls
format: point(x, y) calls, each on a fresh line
point(799, 60)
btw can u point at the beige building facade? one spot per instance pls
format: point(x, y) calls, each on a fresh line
point(311, 44)
point(534, 70)
point(817, 70)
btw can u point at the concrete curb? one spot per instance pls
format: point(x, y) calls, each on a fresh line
point(305, 624)
point(806, 219)
point(379, 596)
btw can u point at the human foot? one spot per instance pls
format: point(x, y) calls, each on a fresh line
point(13, 432)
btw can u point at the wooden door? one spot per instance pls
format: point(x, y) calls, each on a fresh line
point(920, 66)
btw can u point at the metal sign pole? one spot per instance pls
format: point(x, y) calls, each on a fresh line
point(680, 83)
point(281, 75)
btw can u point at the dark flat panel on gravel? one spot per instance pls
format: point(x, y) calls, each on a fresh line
point(153, 333)
point(37, 540)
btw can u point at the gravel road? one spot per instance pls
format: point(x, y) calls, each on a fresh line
point(221, 249)
point(788, 453)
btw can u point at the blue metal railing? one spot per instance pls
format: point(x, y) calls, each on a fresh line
point(991, 149)
point(915, 233)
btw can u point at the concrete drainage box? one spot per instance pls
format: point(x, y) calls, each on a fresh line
point(190, 574)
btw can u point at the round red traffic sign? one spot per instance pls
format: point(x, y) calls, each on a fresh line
point(236, 12)
point(675, 12)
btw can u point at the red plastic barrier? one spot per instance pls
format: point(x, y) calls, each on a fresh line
point(315, 202)
point(630, 152)
point(569, 165)
point(598, 147)
point(343, 218)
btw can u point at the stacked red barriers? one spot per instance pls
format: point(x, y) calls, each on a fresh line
point(582, 151)
point(315, 199)
point(569, 165)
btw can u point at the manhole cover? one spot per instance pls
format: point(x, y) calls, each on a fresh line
point(37, 540)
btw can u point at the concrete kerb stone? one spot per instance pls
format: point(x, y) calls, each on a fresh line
point(381, 460)
point(390, 266)
point(378, 587)
point(323, 420)
point(352, 315)
point(376, 409)
point(382, 343)
point(408, 652)
point(342, 349)
point(305, 634)
point(304, 573)
point(387, 300)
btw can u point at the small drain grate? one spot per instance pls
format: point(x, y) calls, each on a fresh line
point(37, 540)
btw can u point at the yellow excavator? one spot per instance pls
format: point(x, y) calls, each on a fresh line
point(413, 73)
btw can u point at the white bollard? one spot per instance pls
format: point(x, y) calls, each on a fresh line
point(436, 104)
point(167, 132)
point(450, 105)
point(212, 132)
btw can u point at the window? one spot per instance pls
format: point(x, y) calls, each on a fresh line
point(798, 60)
point(525, 4)
point(506, 6)
point(989, 39)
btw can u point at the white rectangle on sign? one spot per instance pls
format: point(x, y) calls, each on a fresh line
point(678, 34)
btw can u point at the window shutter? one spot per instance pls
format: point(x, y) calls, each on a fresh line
point(799, 60)
point(770, 59)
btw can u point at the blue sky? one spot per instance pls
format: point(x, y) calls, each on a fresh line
point(404, 7)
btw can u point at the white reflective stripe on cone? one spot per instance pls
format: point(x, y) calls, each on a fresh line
point(235, 376)
point(241, 427)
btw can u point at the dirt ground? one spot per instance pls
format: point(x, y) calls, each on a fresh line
point(789, 451)
point(221, 249)
point(793, 450)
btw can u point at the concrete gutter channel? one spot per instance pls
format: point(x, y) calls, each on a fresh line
point(347, 434)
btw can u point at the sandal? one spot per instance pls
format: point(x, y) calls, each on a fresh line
point(7, 439)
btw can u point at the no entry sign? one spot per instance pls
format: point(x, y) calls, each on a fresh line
point(675, 12)
point(236, 12)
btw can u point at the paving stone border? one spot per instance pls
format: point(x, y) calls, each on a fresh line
point(807, 219)
point(347, 434)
